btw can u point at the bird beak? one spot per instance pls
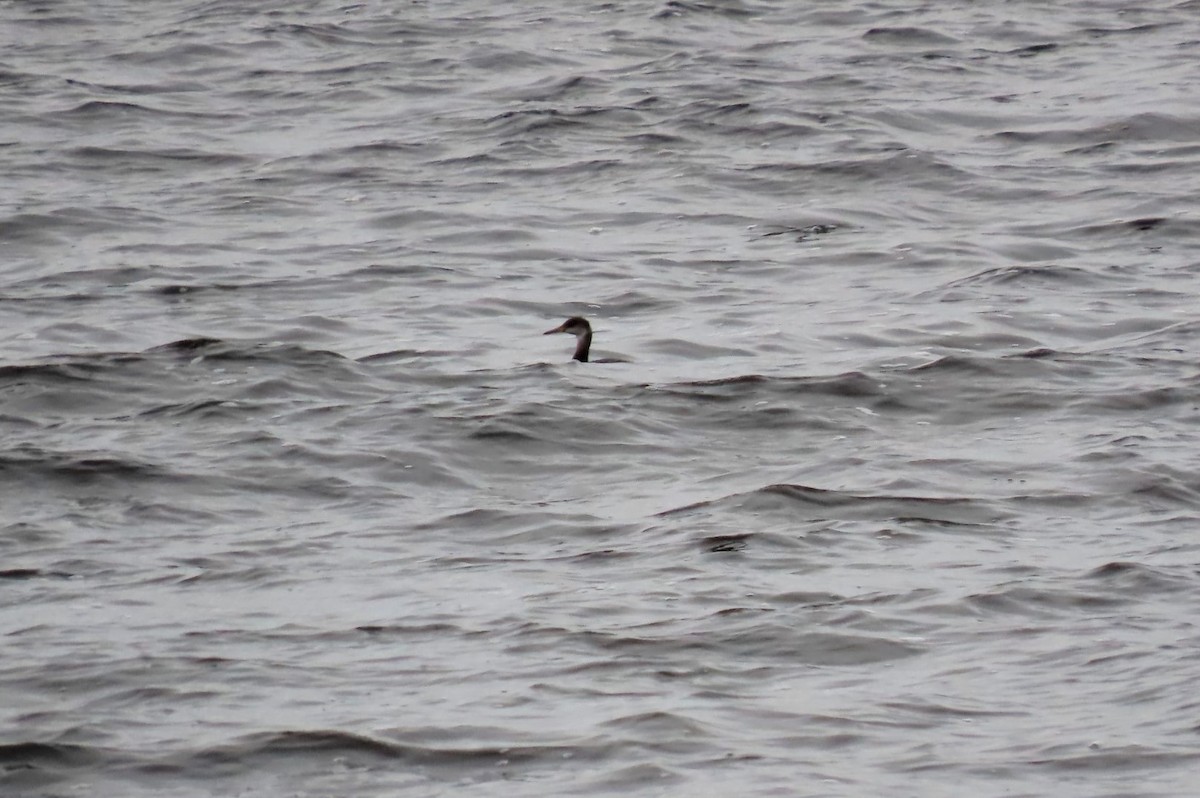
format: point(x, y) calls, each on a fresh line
point(557, 329)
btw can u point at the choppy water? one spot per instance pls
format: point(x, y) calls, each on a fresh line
point(899, 495)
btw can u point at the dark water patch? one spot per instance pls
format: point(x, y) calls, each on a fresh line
point(785, 177)
point(38, 765)
point(687, 8)
point(1028, 276)
point(527, 550)
point(166, 53)
point(215, 349)
point(419, 218)
point(1043, 352)
point(656, 140)
point(300, 172)
point(1145, 128)
point(543, 530)
point(1181, 337)
point(802, 234)
point(608, 310)
point(27, 536)
point(953, 339)
point(121, 89)
point(713, 115)
point(282, 388)
point(1166, 166)
point(511, 124)
point(116, 111)
point(195, 377)
point(21, 574)
point(660, 729)
point(189, 290)
point(759, 641)
point(1046, 602)
point(1147, 27)
point(476, 162)
point(1164, 488)
point(852, 384)
point(208, 409)
point(532, 430)
point(105, 108)
point(72, 370)
point(766, 546)
point(1132, 400)
point(1163, 228)
point(409, 354)
point(1099, 148)
point(594, 169)
point(1142, 580)
point(301, 480)
point(557, 89)
point(189, 346)
point(840, 504)
point(940, 710)
point(622, 779)
point(328, 34)
point(966, 389)
point(1046, 370)
point(726, 543)
point(599, 557)
point(489, 58)
point(765, 418)
point(759, 403)
point(167, 512)
point(1147, 223)
point(684, 348)
point(340, 79)
point(799, 598)
point(486, 236)
point(909, 36)
point(380, 148)
point(16, 79)
point(26, 461)
point(67, 223)
point(270, 750)
point(801, 502)
point(704, 265)
point(1121, 759)
point(768, 132)
point(152, 159)
point(1031, 50)
point(446, 737)
point(245, 575)
point(512, 433)
point(265, 748)
point(410, 630)
point(1058, 501)
point(968, 365)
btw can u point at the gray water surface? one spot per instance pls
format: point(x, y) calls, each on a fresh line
point(898, 494)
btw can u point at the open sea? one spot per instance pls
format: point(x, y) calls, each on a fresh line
point(897, 495)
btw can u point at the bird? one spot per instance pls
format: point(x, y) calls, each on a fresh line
point(579, 327)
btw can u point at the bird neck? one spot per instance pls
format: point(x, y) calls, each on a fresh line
point(582, 344)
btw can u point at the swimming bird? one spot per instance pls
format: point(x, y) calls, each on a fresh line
point(579, 327)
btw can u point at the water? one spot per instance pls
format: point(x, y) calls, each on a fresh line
point(898, 494)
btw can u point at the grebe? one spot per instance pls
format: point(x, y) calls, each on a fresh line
point(579, 327)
